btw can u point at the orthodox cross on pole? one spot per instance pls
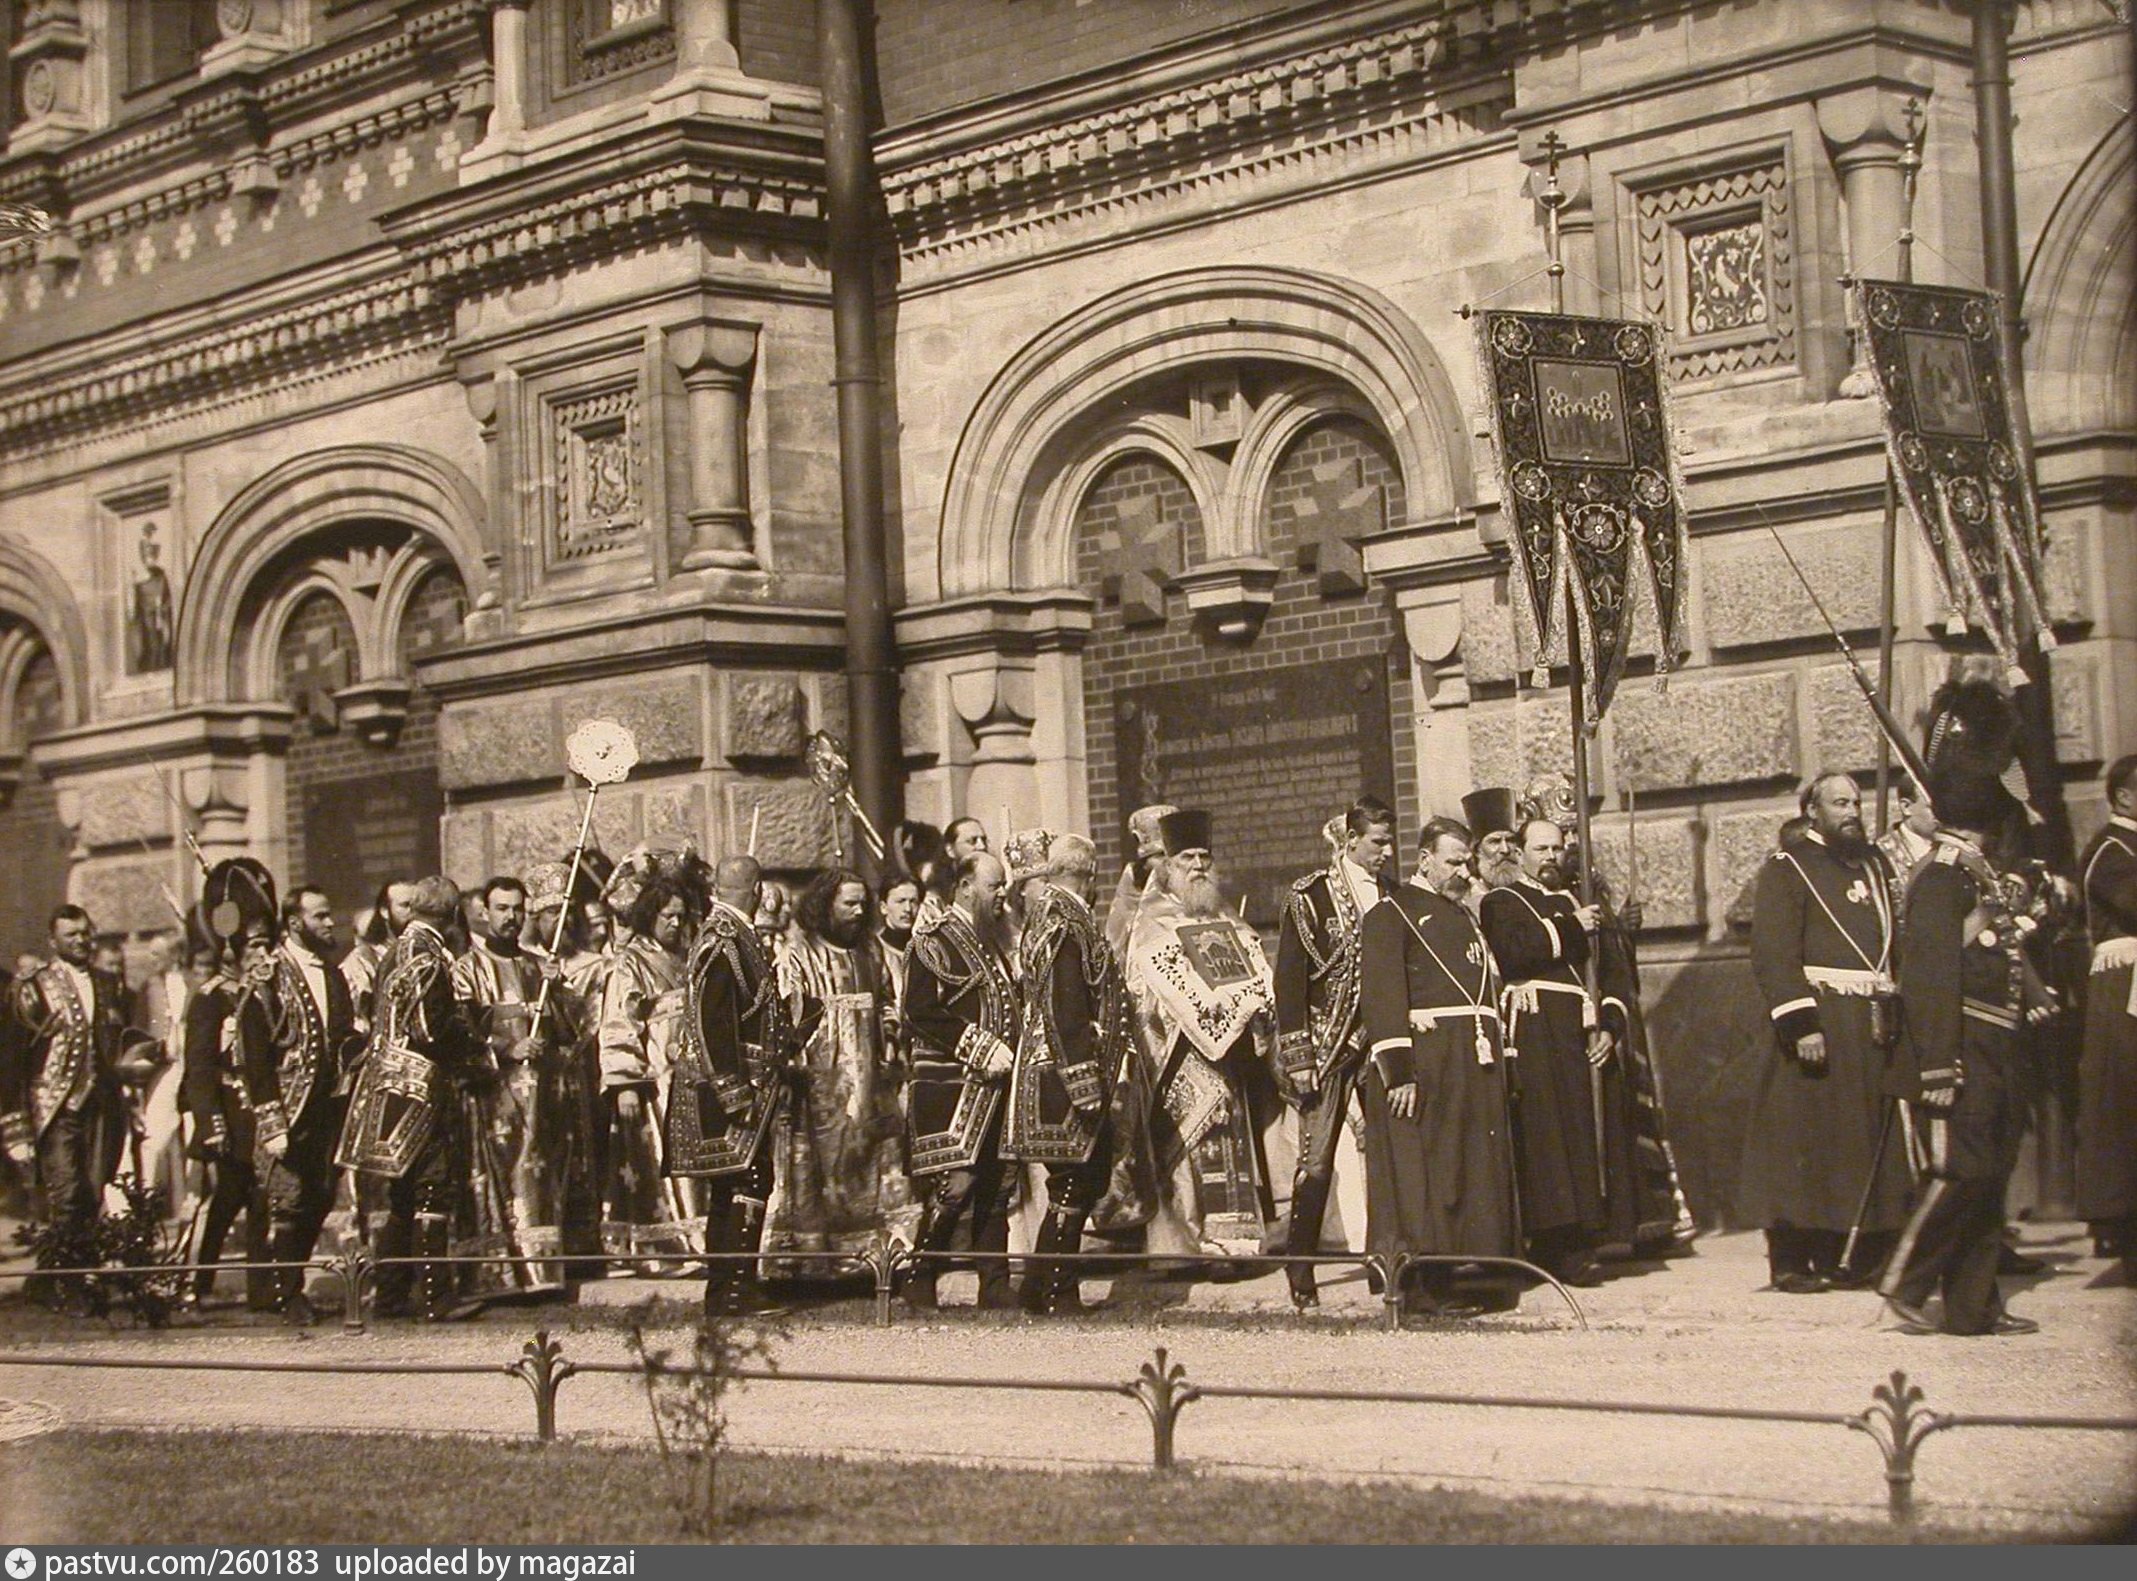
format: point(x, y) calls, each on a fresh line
point(1888, 548)
point(1553, 198)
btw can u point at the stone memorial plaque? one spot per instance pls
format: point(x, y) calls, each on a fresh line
point(363, 831)
point(1273, 754)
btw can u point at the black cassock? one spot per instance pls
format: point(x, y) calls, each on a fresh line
point(1441, 1180)
point(2107, 1071)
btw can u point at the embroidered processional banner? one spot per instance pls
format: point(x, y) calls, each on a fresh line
point(1944, 385)
point(1588, 484)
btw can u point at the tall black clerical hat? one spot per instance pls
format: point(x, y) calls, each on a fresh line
point(1185, 829)
point(1489, 811)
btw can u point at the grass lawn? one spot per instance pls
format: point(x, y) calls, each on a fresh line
point(223, 1487)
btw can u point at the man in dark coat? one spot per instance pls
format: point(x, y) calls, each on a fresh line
point(962, 1015)
point(1074, 1039)
point(2107, 1070)
point(1822, 938)
point(1964, 1058)
point(295, 1031)
point(1539, 941)
point(736, 1045)
point(221, 1115)
point(1320, 1035)
point(1439, 1164)
point(406, 1118)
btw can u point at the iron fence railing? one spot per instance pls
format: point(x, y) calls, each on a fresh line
point(1896, 1419)
point(356, 1270)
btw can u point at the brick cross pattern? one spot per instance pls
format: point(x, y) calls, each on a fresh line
point(1140, 555)
point(313, 673)
point(1339, 509)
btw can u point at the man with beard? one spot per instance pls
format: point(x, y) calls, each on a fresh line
point(1489, 816)
point(841, 1184)
point(1204, 1007)
point(406, 1118)
point(360, 967)
point(63, 1104)
point(1439, 1166)
point(296, 1034)
point(573, 973)
point(1539, 940)
point(1965, 1059)
point(1822, 950)
point(730, 1081)
point(1320, 1033)
point(961, 1006)
point(1075, 1037)
point(519, 1127)
point(641, 1017)
point(2107, 1070)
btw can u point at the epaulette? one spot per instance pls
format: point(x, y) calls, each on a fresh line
point(723, 922)
point(1306, 881)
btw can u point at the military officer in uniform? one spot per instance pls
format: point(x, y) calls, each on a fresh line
point(1970, 994)
point(295, 1028)
point(962, 1014)
point(1822, 936)
point(728, 1081)
point(1074, 1035)
point(1320, 1034)
point(406, 1118)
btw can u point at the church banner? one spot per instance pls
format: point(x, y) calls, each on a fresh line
point(1588, 483)
point(1943, 383)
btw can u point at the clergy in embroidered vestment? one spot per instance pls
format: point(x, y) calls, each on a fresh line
point(1822, 935)
point(1539, 941)
point(1205, 1012)
point(641, 1016)
point(1438, 1156)
point(2107, 1070)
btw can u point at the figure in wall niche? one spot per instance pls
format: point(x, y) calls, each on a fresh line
point(148, 621)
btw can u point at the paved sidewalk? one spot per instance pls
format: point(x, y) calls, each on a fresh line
point(1695, 1331)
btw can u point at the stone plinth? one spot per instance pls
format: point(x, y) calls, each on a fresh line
point(1729, 731)
point(1738, 844)
point(764, 717)
point(1752, 598)
point(792, 818)
point(1670, 892)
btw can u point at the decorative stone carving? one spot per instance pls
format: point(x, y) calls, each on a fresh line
point(1337, 512)
point(998, 707)
point(255, 33)
point(2075, 680)
point(1139, 556)
point(764, 717)
point(1715, 255)
point(1229, 599)
point(1866, 132)
point(672, 814)
point(597, 443)
point(51, 62)
point(715, 361)
point(1728, 731)
point(792, 819)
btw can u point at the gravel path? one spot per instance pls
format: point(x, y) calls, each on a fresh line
point(1695, 1332)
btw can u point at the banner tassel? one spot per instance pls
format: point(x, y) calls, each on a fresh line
point(2046, 641)
point(1540, 677)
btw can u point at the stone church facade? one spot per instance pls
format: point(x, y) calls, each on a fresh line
point(407, 380)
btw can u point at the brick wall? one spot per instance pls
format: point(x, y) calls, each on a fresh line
point(1303, 626)
point(935, 54)
point(777, 39)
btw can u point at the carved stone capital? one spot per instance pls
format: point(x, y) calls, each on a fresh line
point(998, 706)
point(1866, 124)
point(717, 353)
point(1230, 598)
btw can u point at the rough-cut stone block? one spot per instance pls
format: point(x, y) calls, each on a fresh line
point(1487, 632)
point(793, 822)
point(924, 718)
point(497, 743)
point(1844, 731)
point(1492, 751)
point(528, 834)
point(1669, 879)
point(1708, 1031)
point(669, 815)
point(665, 714)
point(1738, 843)
point(124, 897)
point(2075, 680)
point(2063, 575)
point(831, 709)
point(1707, 732)
point(1543, 728)
point(1752, 597)
point(463, 846)
point(764, 716)
point(121, 812)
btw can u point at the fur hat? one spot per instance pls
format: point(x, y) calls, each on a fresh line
point(1967, 798)
point(238, 893)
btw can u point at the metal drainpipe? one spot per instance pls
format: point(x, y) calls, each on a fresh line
point(871, 646)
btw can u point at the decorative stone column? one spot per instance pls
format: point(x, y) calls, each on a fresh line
point(255, 33)
point(484, 394)
point(708, 76)
point(715, 361)
point(56, 85)
point(503, 138)
point(1866, 133)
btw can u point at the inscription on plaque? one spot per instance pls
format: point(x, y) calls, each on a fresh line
point(1272, 754)
point(361, 832)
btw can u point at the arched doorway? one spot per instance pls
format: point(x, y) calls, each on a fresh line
point(34, 844)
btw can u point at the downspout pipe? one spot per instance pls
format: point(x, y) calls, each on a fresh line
point(850, 193)
point(1999, 247)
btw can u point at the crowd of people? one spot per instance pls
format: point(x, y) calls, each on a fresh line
point(601, 1067)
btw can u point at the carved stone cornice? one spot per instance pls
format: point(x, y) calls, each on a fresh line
point(47, 402)
point(1389, 95)
point(1044, 620)
point(644, 186)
